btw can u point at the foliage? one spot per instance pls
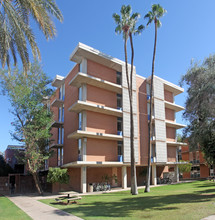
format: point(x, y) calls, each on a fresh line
point(57, 175)
point(184, 168)
point(126, 24)
point(106, 178)
point(32, 120)
point(16, 32)
point(200, 107)
point(5, 169)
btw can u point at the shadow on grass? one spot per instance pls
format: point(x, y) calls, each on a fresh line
point(125, 207)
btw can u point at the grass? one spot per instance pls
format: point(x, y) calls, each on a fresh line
point(10, 211)
point(181, 201)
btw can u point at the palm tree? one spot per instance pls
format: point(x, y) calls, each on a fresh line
point(16, 33)
point(126, 24)
point(152, 16)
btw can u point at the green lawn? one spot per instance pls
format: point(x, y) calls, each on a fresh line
point(10, 211)
point(182, 201)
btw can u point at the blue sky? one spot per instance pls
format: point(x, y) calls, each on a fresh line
point(187, 33)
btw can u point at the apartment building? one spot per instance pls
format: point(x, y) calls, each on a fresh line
point(200, 169)
point(92, 122)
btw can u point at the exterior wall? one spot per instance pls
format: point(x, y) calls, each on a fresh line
point(171, 154)
point(108, 125)
point(170, 134)
point(204, 171)
point(101, 71)
point(101, 97)
point(70, 119)
point(185, 156)
point(101, 150)
point(168, 96)
point(169, 114)
point(142, 116)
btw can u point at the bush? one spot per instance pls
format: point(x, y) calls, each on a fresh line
point(57, 175)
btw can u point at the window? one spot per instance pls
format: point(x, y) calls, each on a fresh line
point(80, 93)
point(80, 121)
point(119, 101)
point(60, 156)
point(119, 126)
point(61, 114)
point(62, 92)
point(119, 78)
point(119, 147)
point(60, 136)
point(79, 149)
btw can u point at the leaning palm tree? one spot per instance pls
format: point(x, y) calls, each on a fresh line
point(16, 33)
point(152, 16)
point(127, 24)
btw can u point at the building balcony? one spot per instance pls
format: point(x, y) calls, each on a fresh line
point(175, 144)
point(57, 124)
point(82, 105)
point(174, 125)
point(83, 78)
point(88, 134)
point(56, 145)
point(58, 81)
point(57, 103)
point(173, 106)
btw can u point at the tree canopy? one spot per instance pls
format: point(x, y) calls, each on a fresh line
point(16, 32)
point(200, 107)
point(32, 120)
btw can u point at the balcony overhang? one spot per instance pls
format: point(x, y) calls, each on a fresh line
point(94, 164)
point(57, 103)
point(57, 124)
point(87, 134)
point(97, 56)
point(173, 106)
point(81, 105)
point(58, 81)
point(83, 78)
point(174, 125)
point(56, 146)
point(169, 86)
point(176, 144)
point(170, 163)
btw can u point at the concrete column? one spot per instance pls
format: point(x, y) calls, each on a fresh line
point(84, 65)
point(154, 175)
point(84, 92)
point(84, 179)
point(114, 173)
point(124, 177)
point(84, 121)
point(84, 149)
point(177, 173)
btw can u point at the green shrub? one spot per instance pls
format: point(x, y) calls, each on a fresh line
point(57, 175)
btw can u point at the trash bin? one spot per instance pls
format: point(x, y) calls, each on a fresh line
point(90, 187)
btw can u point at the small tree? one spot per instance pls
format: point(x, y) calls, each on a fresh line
point(57, 175)
point(185, 167)
point(32, 120)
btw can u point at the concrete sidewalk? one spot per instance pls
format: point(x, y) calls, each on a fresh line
point(38, 210)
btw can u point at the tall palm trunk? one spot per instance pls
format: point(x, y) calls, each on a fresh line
point(148, 177)
point(129, 83)
point(134, 190)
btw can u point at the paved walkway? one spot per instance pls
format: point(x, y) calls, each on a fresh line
point(211, 217)
point(40, 211)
